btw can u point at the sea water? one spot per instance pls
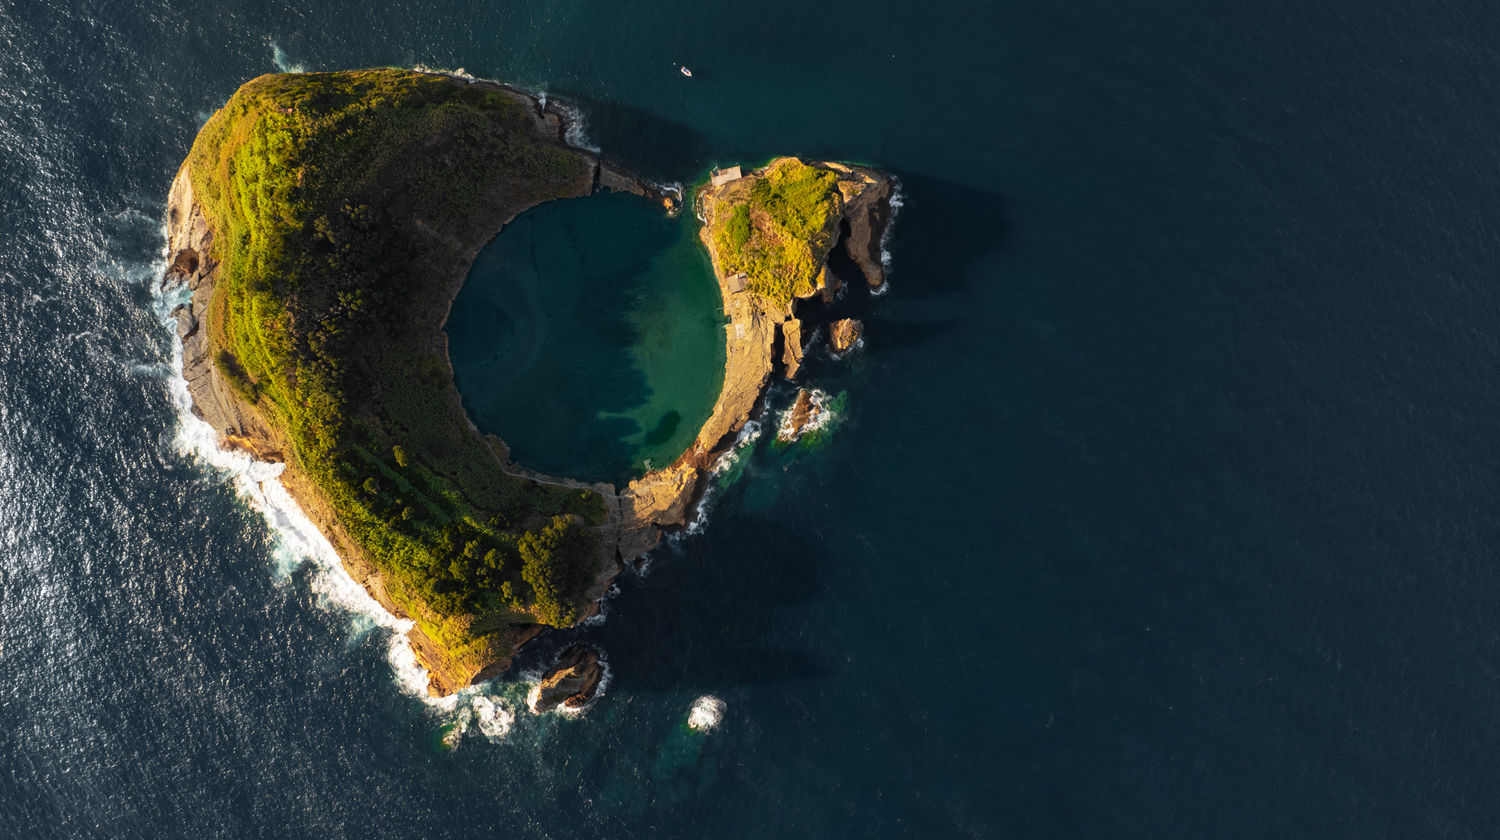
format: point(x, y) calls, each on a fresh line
point(1162, 504)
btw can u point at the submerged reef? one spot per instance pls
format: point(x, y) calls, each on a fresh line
point(324, 224)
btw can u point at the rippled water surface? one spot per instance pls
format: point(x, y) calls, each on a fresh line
point(1163, 504)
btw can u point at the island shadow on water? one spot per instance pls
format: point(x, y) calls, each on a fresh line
point(738, 622)
point(655, 146)
point(589, 336)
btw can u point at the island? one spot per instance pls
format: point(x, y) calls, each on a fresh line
point(324, 224)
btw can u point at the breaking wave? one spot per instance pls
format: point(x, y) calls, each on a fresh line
point(825, 412)
point(279, 59)
point(725, 471)
point(576, 134)
point(460, 73)
point(706, 713)
point(896, 202)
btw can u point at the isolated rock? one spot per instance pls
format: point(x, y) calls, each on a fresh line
point(570, 683)
point(843, 334)
point(805, 415)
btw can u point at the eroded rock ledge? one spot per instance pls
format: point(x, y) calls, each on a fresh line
point(762, 336)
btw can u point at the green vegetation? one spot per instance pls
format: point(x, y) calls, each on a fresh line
point(778, 227)
point(344, 206)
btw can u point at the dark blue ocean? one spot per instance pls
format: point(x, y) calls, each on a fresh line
point(1164, 503)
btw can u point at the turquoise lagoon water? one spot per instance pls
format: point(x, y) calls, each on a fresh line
point(590, 336)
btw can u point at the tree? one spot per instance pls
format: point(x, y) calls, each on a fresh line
point(552, 563)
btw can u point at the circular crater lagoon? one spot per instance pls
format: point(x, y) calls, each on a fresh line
point(590, 336)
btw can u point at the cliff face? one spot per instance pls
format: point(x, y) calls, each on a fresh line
point(760, 332)
point(214, 400)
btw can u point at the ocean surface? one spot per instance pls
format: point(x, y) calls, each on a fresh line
point(1163, 502)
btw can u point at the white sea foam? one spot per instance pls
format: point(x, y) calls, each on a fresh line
point(858, 345)
point(460, 73)
point(896, 202)
point(577, 134)
point(819, 419)
point(453, 737)
point(674, 189)
point(599, 617)
point(493, 716)
point(743, 442)
point(707, 713)
point(279, 59)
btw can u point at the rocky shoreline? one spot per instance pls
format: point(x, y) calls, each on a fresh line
point(761, 338)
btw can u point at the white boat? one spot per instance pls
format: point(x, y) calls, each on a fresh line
point(686, 72)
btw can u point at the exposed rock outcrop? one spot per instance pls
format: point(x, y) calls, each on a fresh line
point(843, 334)
point(214, 400)
point(807, 413)
point(571, 683)
point(791, 348)
point(613, 179)
point(867, 211)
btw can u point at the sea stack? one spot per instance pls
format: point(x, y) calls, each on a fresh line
point(569, 684)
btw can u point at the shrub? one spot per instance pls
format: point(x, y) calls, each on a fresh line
point(777, 228)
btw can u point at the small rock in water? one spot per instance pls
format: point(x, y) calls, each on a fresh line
point(843, 334)
point(806, 414)
point(458, 728)
point(706, 713)
point(570, 683)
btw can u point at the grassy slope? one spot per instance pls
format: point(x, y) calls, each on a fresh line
point(343, 207)
point(778, 227)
